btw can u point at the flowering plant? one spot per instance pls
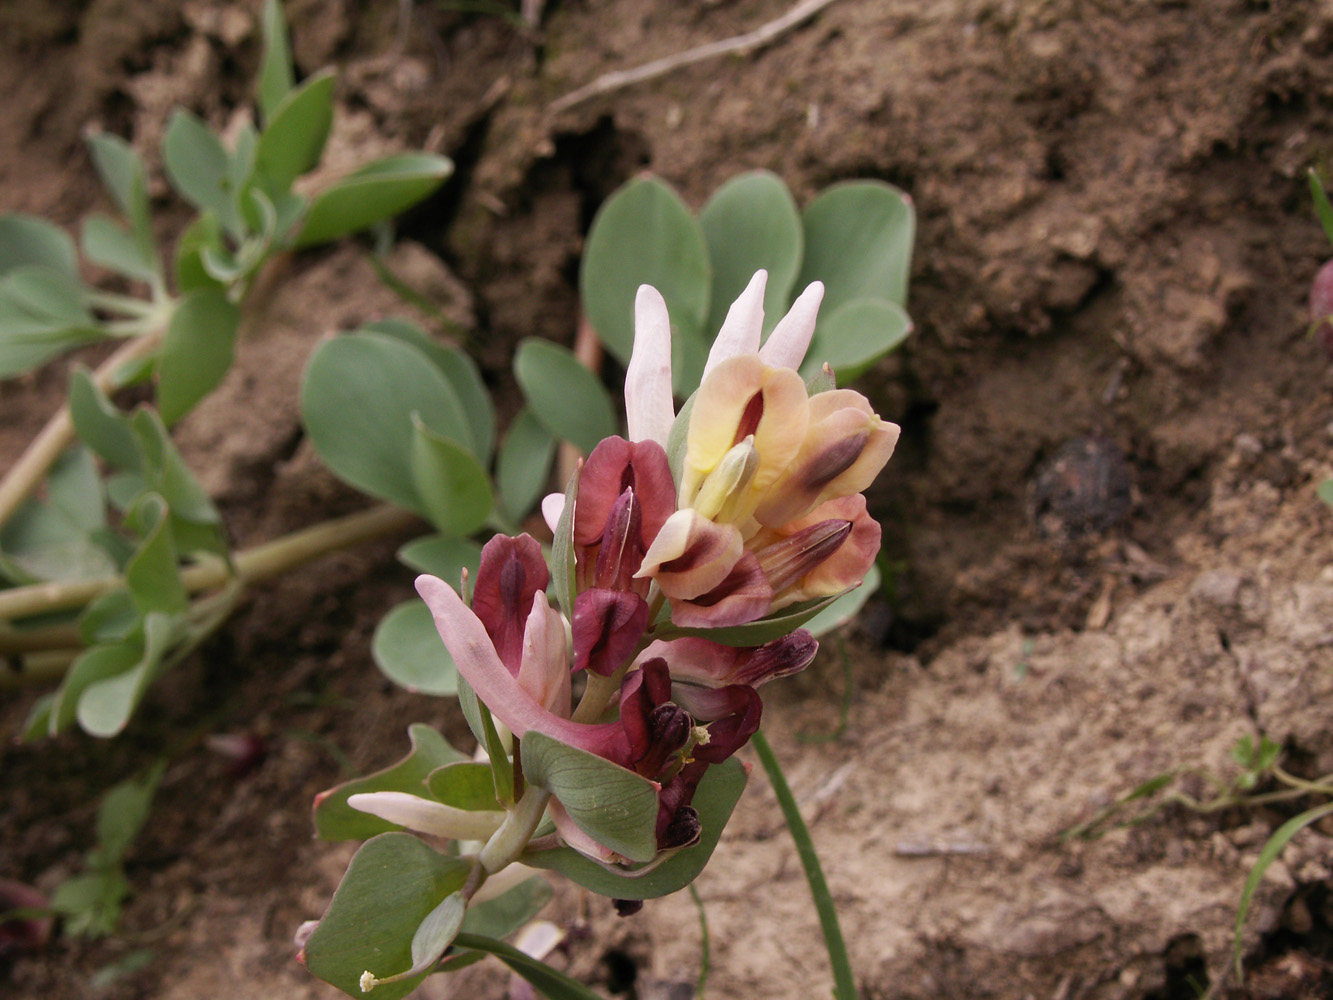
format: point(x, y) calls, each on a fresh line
point(685, 557)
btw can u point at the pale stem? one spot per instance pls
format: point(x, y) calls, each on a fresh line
point(508, 842)
point(597, 695)
point(251, 566)
point(25, 474)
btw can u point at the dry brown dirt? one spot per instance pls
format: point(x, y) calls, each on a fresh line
point(1115, 241)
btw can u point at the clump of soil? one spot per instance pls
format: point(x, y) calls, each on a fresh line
point(1115, 245)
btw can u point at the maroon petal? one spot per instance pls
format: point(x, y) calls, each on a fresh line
point(512, 571)
point(744, 596)
point(731, 732)
point(614, 466)
point(607, 627)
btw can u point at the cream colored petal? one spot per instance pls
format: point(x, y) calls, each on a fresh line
point(544, 669)
point(649, 408)
point(743, 326)
point(425, 816)
point(790, 339)
point(553, 505)
point(691, 555)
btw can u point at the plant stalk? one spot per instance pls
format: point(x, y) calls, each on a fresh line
point(844, 985)
point(508, 842)
point(263, 562)
point(27, 473)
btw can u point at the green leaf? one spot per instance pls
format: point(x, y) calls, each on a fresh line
point(1321, 204)
point(407, 648)
point(275, 69)
point(644, 234)
point(74, 489)
point(198, 349)
point(1274, 846)
point(756, 633)
point(123, 812)
point(195, 522)
point(105, 706)
point(199, 168)
point(552, 984)
point(153, 574)
point(567, 398)
point(454, 489)
point(375, 192)
point(37, 725)
point(295, 133)
point(392, 885)
point(123, 175)
point(357, 401)
point(92, 666)
point(98, 423)
point(464, 785)
point(442, 556)
point(59, 538)
point(502, 768)
point(434, 934)
point(27, 241)
point(203, 234)
point(524, 466)
point(752, 222)
point(611, 804)
point(858, 241)
point(562, 551)
point(851, 338)
point(844, 608)
point(109, 245)
point(1325, 491)
point(336, 820)
point(463, 375)
point(109, 618)
point(42, 314)
point(506, 913)
point(715, 799)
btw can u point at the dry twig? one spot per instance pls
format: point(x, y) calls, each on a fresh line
point(761, 36)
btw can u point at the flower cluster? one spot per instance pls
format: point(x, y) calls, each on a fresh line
point(762, 511)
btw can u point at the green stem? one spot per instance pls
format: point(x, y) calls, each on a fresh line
point(705, 944)
point(508, 842)
point(844, 986)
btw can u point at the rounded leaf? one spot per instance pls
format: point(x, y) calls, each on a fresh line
point(454, 489)
point(197, 351)
point(372, 194)
point(644, 234)
point(858, 242)
point(852, 338)
point(407, 648)
point(567, 398)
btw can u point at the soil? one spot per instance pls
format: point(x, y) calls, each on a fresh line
point(1115, 243)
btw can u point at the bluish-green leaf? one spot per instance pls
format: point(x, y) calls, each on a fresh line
point(611, 804)
point(123, 175)
point(109, 618)
point(523, 469)
point(357, 401)
point(37, 724)
point(858, 241)
point(123, 812)
point(375, 192)
point(455, 490)
point(392, 885)
point(199, 168)
point(336, 820)
point(92, 666)
point(442, 556)
point(567, 398)
point(852, 338)
point(464, 785)
point(98, 423)
point(752, 222)
point(109, 245)
point(203, 233)
point(643, 234)
point(105, 706)
point(56, 538)
point(42, 313)
point(553, 985)
point(195, 522)
point(563, 557)
point(275, 68)
point(295, 133)
point(153, 575)
point(197, 351)
point(407, 648)
point(27, 241)
point(506, 913)
point(1321, 204)
point(714, 800)
point(463, 375)
point(74, 489)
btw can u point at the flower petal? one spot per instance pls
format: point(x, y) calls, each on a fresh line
point(743, 326)
point(466, 639)
point(426, 816)
point(511, 571)
point(744, 596)
point(571, 834)
point(790, 339)
point(846, 567)
point(543, 673)
point(607, 627)
point(649, 407)
point(698, 661)
point(691, 555)
point(553, 505)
